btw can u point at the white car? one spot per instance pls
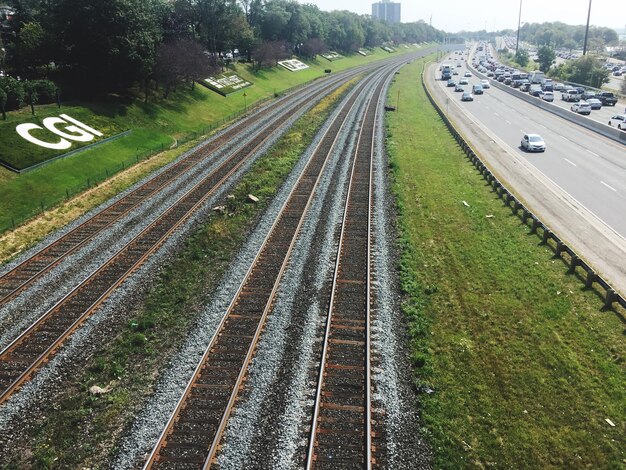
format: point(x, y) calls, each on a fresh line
point(582, 107)
point(464, 81)
point(533, 143)
point(485, 83)
point(547, 96)
point(617, 119)
point(468, 74)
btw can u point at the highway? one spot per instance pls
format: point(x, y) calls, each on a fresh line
point(600, 115)
point(577, 187)
point(591, 168)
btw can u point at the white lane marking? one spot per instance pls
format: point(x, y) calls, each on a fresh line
point(562, 137)
point(522, 131)
point(496, 114)
point(570, 162)
point(592, 153)
point(507, 121)
point(608, 186)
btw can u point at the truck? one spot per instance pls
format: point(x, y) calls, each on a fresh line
point(536, 77)
point(607, 98)
point(446, 72)
point(547, 84)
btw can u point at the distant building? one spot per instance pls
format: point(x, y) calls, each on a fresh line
point(386, 11)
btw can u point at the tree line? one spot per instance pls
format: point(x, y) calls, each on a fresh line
point(101, 46)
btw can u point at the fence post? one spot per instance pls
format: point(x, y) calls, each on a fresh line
point(575, 262)
point(559, 247)
point(591, 277)
point(610, 297)
point(534, 227)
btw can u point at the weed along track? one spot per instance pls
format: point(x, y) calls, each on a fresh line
point(36, 344)
point(341, 430)
point(195, 429)
point(21, 276)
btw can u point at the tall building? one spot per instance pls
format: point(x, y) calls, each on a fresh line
point(386, 11)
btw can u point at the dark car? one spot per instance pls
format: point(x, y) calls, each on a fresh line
point(594, 103)
point(587, 94)
point(607, 98)
point(467, 97)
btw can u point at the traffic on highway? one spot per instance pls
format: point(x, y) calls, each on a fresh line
point(586, 165)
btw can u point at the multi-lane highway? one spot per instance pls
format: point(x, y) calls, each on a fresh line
point(600, 115)
point(583, 167)
point(589, 167)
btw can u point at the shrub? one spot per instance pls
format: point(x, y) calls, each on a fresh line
point(15, 92)
point(46, 91)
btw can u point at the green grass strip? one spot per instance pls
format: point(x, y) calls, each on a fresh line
point(185, 115)
point(81, 429)
point(524, 365)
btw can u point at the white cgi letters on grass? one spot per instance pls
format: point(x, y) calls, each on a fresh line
point(79, 132)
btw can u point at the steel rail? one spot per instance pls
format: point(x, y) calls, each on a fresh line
point(348, 227)
point(212, 441)
point(13, 373)
point(28, 271)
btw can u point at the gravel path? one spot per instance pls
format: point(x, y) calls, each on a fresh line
point(277, 387)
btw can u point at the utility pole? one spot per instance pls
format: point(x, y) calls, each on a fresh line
point(519, 22)
point(587, 29)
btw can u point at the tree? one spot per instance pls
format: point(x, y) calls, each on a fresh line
point(3, 103)
point(522, 57)
point(313, 47)
point(109, 44)
point(182, 60)
point(32, 97)
point(586, 70)
point(269, 53)
point(545, 57)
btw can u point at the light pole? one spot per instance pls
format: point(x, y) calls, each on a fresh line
point(245, 104)
point(587, 29)
point(519, 22)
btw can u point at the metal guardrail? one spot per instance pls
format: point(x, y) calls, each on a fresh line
point(529, 219)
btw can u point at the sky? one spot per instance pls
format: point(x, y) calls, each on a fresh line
point(472, 15)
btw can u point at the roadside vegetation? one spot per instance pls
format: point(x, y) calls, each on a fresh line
point(81, 427)
point(519, 365)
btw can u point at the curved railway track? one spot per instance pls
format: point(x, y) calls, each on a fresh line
point(194, 431)
point(37, 344)
point(341, 429)
point(27, 272)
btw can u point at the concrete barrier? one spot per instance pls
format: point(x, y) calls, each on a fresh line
point(595, 126)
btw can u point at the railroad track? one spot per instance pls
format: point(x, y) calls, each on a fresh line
point(341, 429)
point(37, 344)
point(192, 435)
point(26, 273)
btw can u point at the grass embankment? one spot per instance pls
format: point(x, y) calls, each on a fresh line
point(81, 428)
point(185, 115)
point(524, 365)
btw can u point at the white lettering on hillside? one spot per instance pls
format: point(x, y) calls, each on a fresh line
point(76, 131)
